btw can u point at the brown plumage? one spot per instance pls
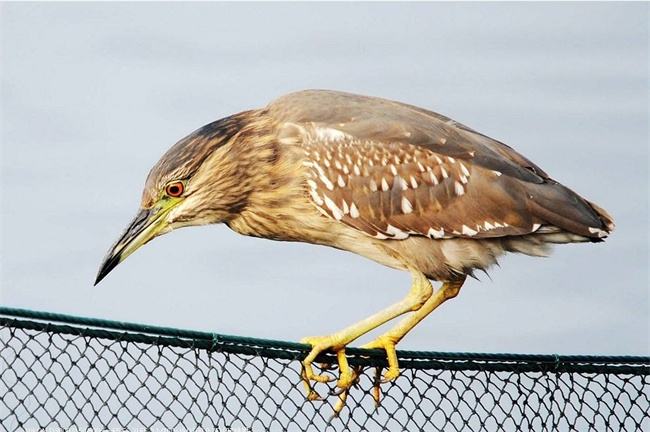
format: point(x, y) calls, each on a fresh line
point(398, 184)
point(391, 171)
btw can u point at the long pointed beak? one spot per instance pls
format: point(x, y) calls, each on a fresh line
point(146, 225)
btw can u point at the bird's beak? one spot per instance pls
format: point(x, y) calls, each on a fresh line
point(146, 225)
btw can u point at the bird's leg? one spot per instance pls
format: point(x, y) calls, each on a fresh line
point(388, 340)
point(421, 290)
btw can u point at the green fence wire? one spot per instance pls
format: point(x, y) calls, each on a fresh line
point(59, 372)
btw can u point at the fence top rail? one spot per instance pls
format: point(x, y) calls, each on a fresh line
point(168, 336)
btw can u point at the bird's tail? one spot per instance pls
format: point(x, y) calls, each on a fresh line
point(606, 218)
point(560, 207)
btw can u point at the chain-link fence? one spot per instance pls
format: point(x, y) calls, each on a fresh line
point(60, 372)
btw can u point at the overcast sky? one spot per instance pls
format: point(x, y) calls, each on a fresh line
point(94, 93)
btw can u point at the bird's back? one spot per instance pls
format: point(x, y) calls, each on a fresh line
point(386, 120)
point(504, 186)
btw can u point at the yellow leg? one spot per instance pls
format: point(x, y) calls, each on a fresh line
point(388, 340)
point(420, 292)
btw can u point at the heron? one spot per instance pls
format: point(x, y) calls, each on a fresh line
point(401, 185)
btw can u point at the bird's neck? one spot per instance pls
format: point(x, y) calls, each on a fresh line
point(276, 204)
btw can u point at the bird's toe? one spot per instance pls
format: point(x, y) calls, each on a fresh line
point(387, 343)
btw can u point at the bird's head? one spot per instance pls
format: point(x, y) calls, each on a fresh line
point(194, 183)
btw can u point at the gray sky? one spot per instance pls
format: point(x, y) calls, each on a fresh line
point(94, 93)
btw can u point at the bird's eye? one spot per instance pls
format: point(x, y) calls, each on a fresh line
point(175, 189)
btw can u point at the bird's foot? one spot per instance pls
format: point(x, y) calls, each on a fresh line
point(347, 376)
point(387, 342)
point(318, 345)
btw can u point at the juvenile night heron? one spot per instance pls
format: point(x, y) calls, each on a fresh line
point(401, 185)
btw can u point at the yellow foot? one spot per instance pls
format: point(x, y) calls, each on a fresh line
point(387, 343)
point(318, 345)
point(346, 375)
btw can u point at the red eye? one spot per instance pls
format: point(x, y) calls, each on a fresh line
point(174, 189)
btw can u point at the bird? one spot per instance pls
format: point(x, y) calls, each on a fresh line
point(401, 185)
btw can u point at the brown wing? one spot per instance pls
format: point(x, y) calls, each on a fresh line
point(392, 190)
point(391, 170)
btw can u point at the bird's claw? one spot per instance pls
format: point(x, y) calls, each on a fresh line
point(344, 386)
point(387, 343)
point(312, 395)
point(318, 344)
point(348, 377)
point(342, 393)
point(376, 387)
